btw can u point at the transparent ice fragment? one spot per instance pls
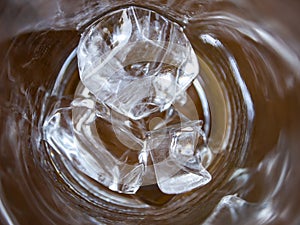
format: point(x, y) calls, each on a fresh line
point(72, 133)
point(175, 153)
point(136, 61)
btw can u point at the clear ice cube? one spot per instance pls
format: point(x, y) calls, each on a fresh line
point(136, 61)
point(72, 133)
point(176, 157)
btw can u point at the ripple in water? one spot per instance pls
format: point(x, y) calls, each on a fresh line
point(246, 94)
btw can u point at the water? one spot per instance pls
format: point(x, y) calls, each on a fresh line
point(247, 96)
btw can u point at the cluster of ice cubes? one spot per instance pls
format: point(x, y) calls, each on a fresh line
point(127, 132)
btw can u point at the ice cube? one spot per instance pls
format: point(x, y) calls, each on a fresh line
point(176, 157)
point(136, 61)
point(72, 133)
